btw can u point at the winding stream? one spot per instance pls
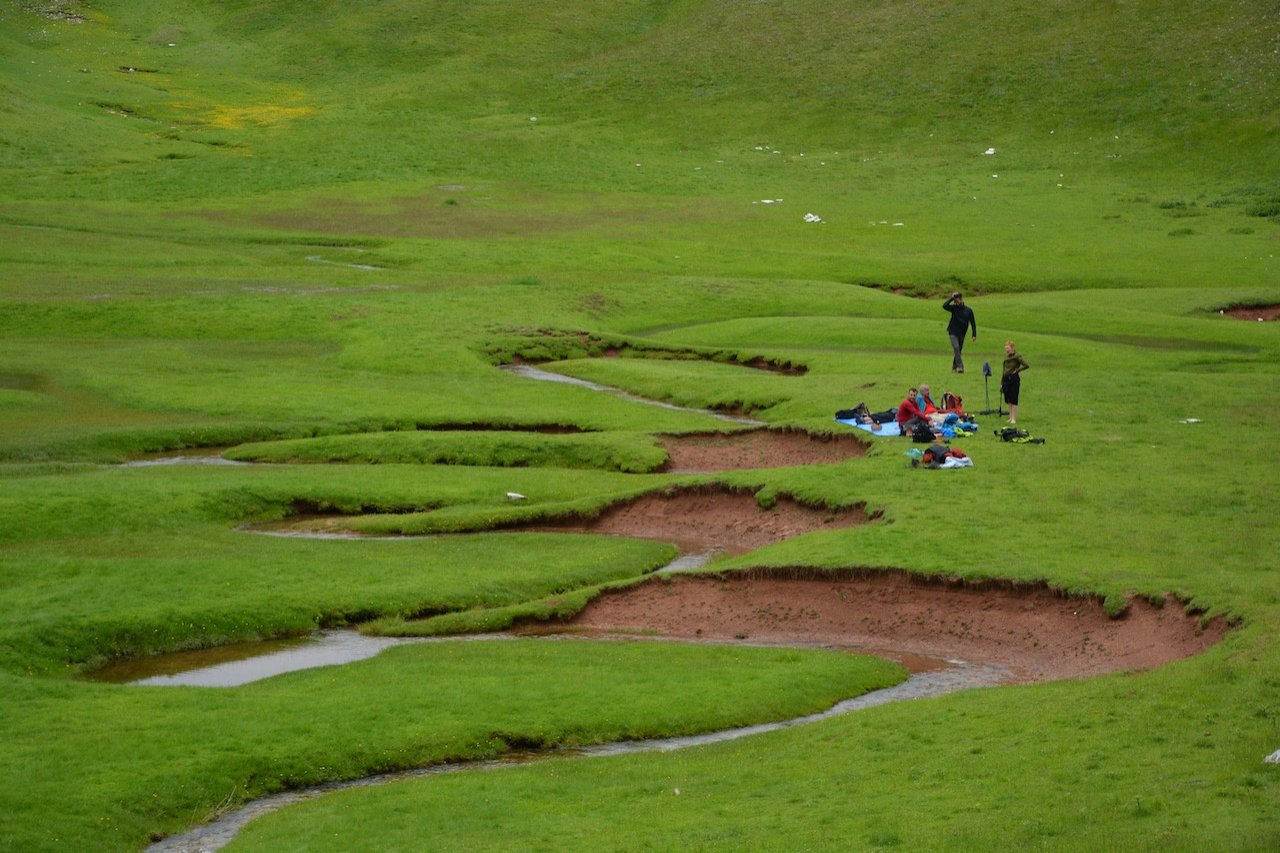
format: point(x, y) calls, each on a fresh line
point(333, 647)
point(231, 666)
point(958, 676)
point(529, 372)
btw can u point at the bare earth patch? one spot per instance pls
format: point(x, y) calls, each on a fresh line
point(1033, 631)
point(1036, 632)
point(707, 518)
point(757, 449)
point(1253, 312)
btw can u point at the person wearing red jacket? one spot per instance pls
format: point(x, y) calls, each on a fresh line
point(908, 411)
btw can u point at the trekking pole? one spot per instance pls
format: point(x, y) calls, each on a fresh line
point(986, 385)
point(986, 379)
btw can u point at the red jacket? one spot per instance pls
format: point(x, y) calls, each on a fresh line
point(908, 410)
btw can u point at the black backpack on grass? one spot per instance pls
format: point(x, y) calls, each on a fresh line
point(923, 433)
point(857, 413)
point(1020, 436)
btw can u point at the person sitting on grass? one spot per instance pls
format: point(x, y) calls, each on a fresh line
point(924, 402)
point(933, 414)
point(909, 412)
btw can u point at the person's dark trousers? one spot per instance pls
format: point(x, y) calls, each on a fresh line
point(957, 345)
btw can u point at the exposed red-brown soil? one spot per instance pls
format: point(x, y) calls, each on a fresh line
point(1036, 632)
point(757, 449)
point(1253, 312)
point(712, 518)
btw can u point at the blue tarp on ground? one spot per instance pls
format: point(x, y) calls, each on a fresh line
point(889, 429)
point(952, 429)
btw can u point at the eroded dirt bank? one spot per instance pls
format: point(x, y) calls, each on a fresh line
point(1034, 631)
point(720, 518)
point(757, 449)
point(1254, 312)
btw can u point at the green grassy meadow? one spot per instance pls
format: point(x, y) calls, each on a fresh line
point(307, 236)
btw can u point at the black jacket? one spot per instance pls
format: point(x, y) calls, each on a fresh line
point(961, 318)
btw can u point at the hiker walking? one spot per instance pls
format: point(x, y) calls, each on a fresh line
point(1011, 379)
point(961, 319)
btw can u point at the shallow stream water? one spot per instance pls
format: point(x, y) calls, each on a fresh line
point(529, 372)
point(957, 676)
point(240, 665)
point(195, 457)
point(230, 666)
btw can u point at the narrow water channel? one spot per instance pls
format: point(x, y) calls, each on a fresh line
point(530, 372)
point(210, 457)
point(957, 676)
point(930, 678)
point(231, 666)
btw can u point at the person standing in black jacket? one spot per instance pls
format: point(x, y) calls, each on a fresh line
point(961, 320)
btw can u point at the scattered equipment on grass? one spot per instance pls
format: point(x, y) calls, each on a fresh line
point(1016, 435)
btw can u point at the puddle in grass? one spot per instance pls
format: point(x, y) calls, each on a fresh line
point(230, 666)
point(195, 456)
